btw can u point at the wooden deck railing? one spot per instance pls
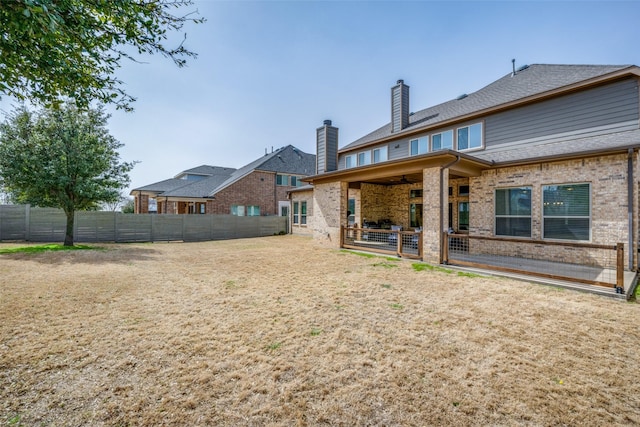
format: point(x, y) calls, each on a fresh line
point(407, 244)
point(588, 263)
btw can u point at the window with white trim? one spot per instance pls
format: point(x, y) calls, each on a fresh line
point(470, 137)
point(253, 210)
point(300, 213)
point(419, 146)
point(364, 158)
point(442, 141)
point(296, 212)
point(380, 155)
point(566, 211)
point(350, 161)
point(237, 210)
point(303, 213)
point(513, 212)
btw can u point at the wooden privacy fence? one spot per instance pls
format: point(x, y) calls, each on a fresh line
point(22, 222)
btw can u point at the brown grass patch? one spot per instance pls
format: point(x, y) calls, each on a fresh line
point(280, 331)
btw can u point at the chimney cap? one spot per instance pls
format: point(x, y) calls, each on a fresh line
point(400, 81)
point(327, 122)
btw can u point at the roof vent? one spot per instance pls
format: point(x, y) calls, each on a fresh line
point(411, 113)
point(463, 96)
point(524, 67)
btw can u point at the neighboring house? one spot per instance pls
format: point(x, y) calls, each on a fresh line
point(259, 188)
point(542, 164)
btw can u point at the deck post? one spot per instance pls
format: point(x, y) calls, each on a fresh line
point(620, 265)
point(445, 248)
point(399, 244)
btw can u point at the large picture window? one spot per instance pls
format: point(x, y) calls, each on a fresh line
point(513, 212)
point(566, 211)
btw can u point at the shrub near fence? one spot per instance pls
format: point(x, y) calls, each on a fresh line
point(22, 222)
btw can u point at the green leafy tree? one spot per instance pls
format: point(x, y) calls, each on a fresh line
point(64, 158)
point(56, 49)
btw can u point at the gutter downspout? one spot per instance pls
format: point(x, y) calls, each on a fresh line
point(630, 204)
point(440, 222)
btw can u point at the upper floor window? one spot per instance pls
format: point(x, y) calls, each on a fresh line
point(420, 146)
point(566, 211)
point(364, 158)
point(295, 182)
point(380, 155)
point(349, 161)
point(470, 137)
point(282, 180)
point(442, 141)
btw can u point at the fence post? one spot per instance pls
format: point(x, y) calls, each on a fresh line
point(620, 265)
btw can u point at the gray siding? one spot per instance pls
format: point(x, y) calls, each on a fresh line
point(399, 107)
point(331, 161)
point(613, 107)
point(321, 154)
point(326, 149)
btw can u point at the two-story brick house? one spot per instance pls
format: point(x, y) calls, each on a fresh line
point(258, 188)
point(542, 164)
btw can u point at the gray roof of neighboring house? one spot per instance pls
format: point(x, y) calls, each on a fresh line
point(283, 160)
point(162, 186)
point(197, 189)
point(287, 160)
point(534, 80)
point(207, 170)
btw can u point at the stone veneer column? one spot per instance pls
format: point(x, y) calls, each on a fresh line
point(434, 213)
point(329, 211)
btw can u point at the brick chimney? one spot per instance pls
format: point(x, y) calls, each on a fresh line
point(399, 106)
point(326, 148)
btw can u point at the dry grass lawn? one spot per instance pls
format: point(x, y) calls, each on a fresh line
point(280, 331)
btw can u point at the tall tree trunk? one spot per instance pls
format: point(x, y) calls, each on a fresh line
point(68, 236)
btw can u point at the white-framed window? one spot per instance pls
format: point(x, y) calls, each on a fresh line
point(566, 211)
point(350, 161)
point(442, 141)
point(253, 210)
point(364, 158)
point(303, 213)
point(296, 212)
point(513, 212)
point(237, 210)
point(300, 213)
point(470, 137)
point(419, 145)
point(380, 155)
point(282, 180)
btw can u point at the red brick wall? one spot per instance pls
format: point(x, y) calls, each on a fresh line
point(141, 204)
point(257, 188)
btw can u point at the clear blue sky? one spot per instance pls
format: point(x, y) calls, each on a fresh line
point(269, 72)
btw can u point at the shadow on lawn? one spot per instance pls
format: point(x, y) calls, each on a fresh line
point(95, 255)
